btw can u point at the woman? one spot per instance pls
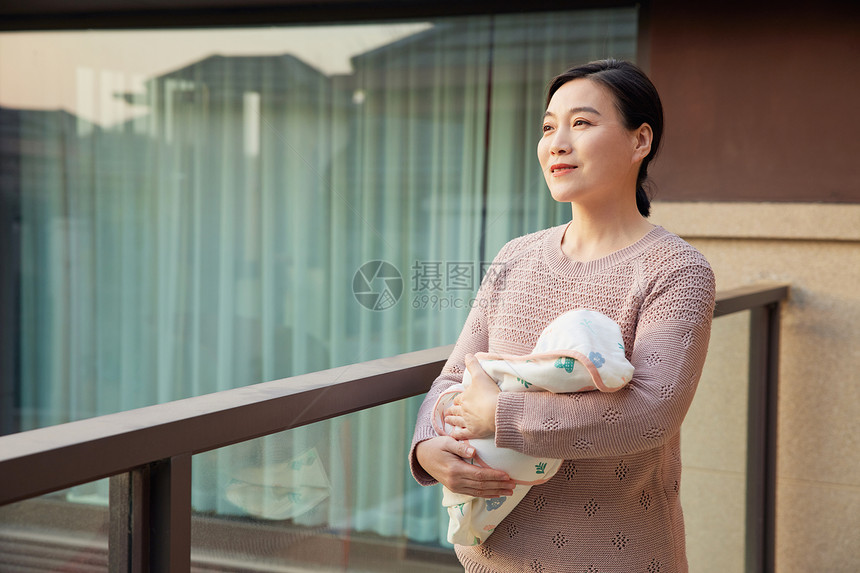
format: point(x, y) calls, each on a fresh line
point(614, 504)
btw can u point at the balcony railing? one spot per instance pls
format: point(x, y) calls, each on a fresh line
point(147, 452)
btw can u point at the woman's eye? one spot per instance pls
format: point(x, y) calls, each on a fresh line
point(546, 128)
point(579, 122)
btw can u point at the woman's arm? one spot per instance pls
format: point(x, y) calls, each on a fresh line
point(473, 338)
point(443, 458)
point(671, 342)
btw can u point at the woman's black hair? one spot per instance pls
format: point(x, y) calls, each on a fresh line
point(637, 100)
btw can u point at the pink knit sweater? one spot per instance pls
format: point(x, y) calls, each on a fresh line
point(613, 506)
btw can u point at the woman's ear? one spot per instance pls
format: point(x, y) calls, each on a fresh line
point(643, 136)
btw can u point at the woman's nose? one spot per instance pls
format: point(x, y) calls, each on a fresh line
point(559, 145)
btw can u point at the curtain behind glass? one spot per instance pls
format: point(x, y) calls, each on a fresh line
point(212, 242)
point(536, 48)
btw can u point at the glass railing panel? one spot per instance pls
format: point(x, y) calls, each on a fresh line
point(333, 496)
point(714, 450)
point(61, 531)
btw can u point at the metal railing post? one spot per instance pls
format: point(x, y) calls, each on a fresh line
point(170, 514)
point(128, 540)
point(761, 439)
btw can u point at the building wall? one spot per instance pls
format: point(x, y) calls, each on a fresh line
point(761, 102)
point(762, 116)
point(815, 249)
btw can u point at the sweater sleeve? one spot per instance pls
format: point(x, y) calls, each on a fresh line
point(670, 345)
point(473, 338)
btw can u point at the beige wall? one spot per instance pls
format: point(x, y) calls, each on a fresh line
point(816, 249)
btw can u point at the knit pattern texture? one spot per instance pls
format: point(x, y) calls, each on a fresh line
point(614, 504)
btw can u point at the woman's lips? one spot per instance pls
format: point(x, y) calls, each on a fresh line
point(561, 169)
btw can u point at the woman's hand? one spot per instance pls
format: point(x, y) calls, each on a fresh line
point(473, 414)
point(444, 458)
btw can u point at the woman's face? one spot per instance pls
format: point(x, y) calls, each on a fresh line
point(586, 153)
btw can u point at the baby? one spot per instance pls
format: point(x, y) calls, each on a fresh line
point(579, 351)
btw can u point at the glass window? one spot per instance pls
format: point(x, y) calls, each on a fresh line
point(189, 211)
point(195, 210)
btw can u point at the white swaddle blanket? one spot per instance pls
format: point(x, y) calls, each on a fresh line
point(581, 350)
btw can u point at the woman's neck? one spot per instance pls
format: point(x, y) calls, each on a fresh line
point(593, 235)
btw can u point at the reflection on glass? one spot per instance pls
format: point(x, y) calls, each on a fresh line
point(336, 494)
point(714, 452)
point(62, 531)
